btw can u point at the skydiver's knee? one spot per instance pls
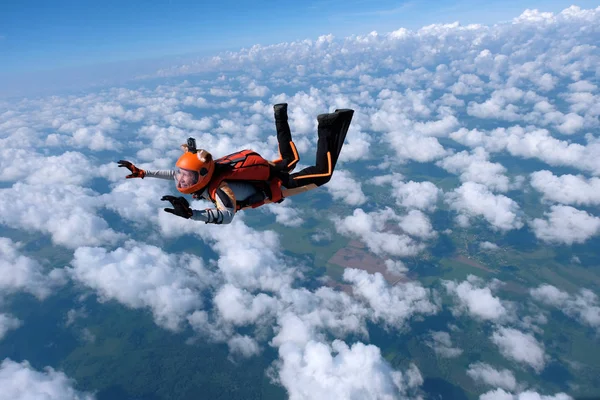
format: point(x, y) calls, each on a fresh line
point(321, 180)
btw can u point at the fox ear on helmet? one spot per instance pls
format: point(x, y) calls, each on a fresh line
point(204, 156)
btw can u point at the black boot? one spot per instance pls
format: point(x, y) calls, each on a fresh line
point(280, 112)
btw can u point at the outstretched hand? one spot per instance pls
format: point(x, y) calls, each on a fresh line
point(181, 207)
point(135, 171)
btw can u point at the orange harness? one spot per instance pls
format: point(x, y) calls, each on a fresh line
point(248, 166)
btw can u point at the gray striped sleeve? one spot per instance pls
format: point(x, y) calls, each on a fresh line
point(161, 174)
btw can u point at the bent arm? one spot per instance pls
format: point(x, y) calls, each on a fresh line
point(225, 210)
point(161, 174)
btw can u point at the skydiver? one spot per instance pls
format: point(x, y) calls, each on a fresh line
point(246, 180)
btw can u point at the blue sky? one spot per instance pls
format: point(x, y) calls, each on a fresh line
point(51, 35)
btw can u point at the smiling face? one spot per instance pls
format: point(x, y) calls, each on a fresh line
point(186, 178)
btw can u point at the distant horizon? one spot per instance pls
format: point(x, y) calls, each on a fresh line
point(34, 66)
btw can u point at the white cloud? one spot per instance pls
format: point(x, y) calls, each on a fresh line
point(420, 195)
point(256, 90)
point(467, 84)
point(520, 347)
point(476, 167)
point(8, 323)
point(69, 168)
point(138, 201)
point(500, 105)
point(21, 381)
point(583, 305)
point(441, 343)
point(566, 225)
point(357, 146)
point(488, 375)
point(567, 189)
point(533, 142)
point(222, 92)
point(476, 299)
point(319, 371)
point(143, 276)
point(582, 86)
point(488, 246)
point(240, 307)
point(186, 121)
point(439, 128)
point(343, 186)
point(416, 223)
point(411, 146)
point(391, 304)
point(252, 261)
point(368, 227)
point(500, 394)
point(243, 345)
point(284, 214)
point(64, 212)
point(21, 273)
point(474, 200)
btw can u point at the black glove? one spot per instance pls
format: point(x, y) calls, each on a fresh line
point(135, 171)
point(181, 206)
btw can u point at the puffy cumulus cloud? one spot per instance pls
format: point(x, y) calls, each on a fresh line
point(245, 346)
point(476, 299)
point(476, 200)
point(476, 167)
point(8, 323)
point(21, 273)
point(393, 305)
point(138, 201)
point(19, 380)
point(566, 225)
point(520, 347)
point(284, 214)
point(240, 307)
point(533, 142)
point(583, 305)
point(500, 394)
point(303, 321)
point(369, 228)
point(567, 189)
point(396, 267)
point(253, 260)
point(303, 316)
point(414, 147)
point(69, 168)
point(256, 90)
point(423, 57)
point(357, 146)
point(142, 276)
point(488, 375)
point(500, 105)
point(64, 212)
point(322, 371)
point(416, 223)
point(441, 343)
point(550, 295)
point(468, 84)
point(440, 128)
point(344, 187)
point(488, 246)
point(418, 195)
point(184, 120)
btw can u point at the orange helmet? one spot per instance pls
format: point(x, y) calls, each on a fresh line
point(195, 169)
